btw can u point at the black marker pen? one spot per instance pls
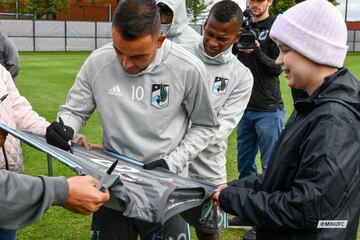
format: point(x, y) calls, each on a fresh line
point(107, 180)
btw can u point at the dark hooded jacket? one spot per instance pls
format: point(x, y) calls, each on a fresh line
point(314, 170)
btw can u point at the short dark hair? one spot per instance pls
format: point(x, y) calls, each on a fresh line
point(136, 18)
point(226, 11)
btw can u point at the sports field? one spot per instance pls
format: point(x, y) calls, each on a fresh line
point(44, 80)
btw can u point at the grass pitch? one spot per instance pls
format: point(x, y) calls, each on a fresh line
point(44, 80)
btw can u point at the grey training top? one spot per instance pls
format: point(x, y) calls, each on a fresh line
point(146, 116)
point(231, 85)
point(24, 199)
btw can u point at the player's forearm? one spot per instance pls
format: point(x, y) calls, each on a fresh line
point(196, 140)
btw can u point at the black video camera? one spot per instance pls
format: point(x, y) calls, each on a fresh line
point(248, 34)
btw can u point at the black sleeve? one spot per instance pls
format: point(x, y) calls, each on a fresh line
point(268, 62)
point(327, 175)
point(253, 181)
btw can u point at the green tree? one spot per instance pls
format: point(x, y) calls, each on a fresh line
point(7, 5)
point(280, 6)
point(44, 9)
point(197, 8)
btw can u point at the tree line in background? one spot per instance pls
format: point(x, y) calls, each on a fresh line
point(40, 9)
point(196, 9)
point(280, 6)
point(35, 9)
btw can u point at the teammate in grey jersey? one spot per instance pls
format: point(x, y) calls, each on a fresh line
point(231, 84)
point(147, 90)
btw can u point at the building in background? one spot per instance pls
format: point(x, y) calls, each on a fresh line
point(86, 10)
point(77, 10)
point(353, 36)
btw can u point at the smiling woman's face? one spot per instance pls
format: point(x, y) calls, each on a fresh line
point(299, 71)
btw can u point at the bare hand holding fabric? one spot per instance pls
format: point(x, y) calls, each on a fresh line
point(83, 142)
point(215, 196)
point(83, 195)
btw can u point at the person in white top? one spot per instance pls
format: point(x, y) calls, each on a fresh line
point(231, 85)
point(174, 23)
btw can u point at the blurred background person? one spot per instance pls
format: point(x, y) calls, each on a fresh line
point(174, 23)
point(9, 56)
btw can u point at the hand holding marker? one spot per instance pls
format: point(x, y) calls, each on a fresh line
point(107, 180)
point(69, 142)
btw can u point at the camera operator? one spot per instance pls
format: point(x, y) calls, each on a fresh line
point(263, 119)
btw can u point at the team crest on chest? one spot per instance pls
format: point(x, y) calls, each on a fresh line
point(220, 85)
point(160, 95)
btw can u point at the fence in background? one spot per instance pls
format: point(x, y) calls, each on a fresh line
point(50, 35)
point(353, 40)
point(43, 35)
point(198, 28)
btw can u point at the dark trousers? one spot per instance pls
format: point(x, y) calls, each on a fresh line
point(109, 224)
point(7, 234)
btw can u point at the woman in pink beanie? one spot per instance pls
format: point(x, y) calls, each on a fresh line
point(311, 188)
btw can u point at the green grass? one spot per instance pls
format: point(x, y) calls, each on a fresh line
point(44, 80)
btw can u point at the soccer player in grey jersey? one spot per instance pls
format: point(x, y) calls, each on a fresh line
point(147, 90)
point(231, 85)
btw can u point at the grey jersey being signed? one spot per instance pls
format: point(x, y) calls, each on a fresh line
point(149, 195)
point(146, 116)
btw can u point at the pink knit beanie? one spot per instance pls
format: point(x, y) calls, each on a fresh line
point(315, 29)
